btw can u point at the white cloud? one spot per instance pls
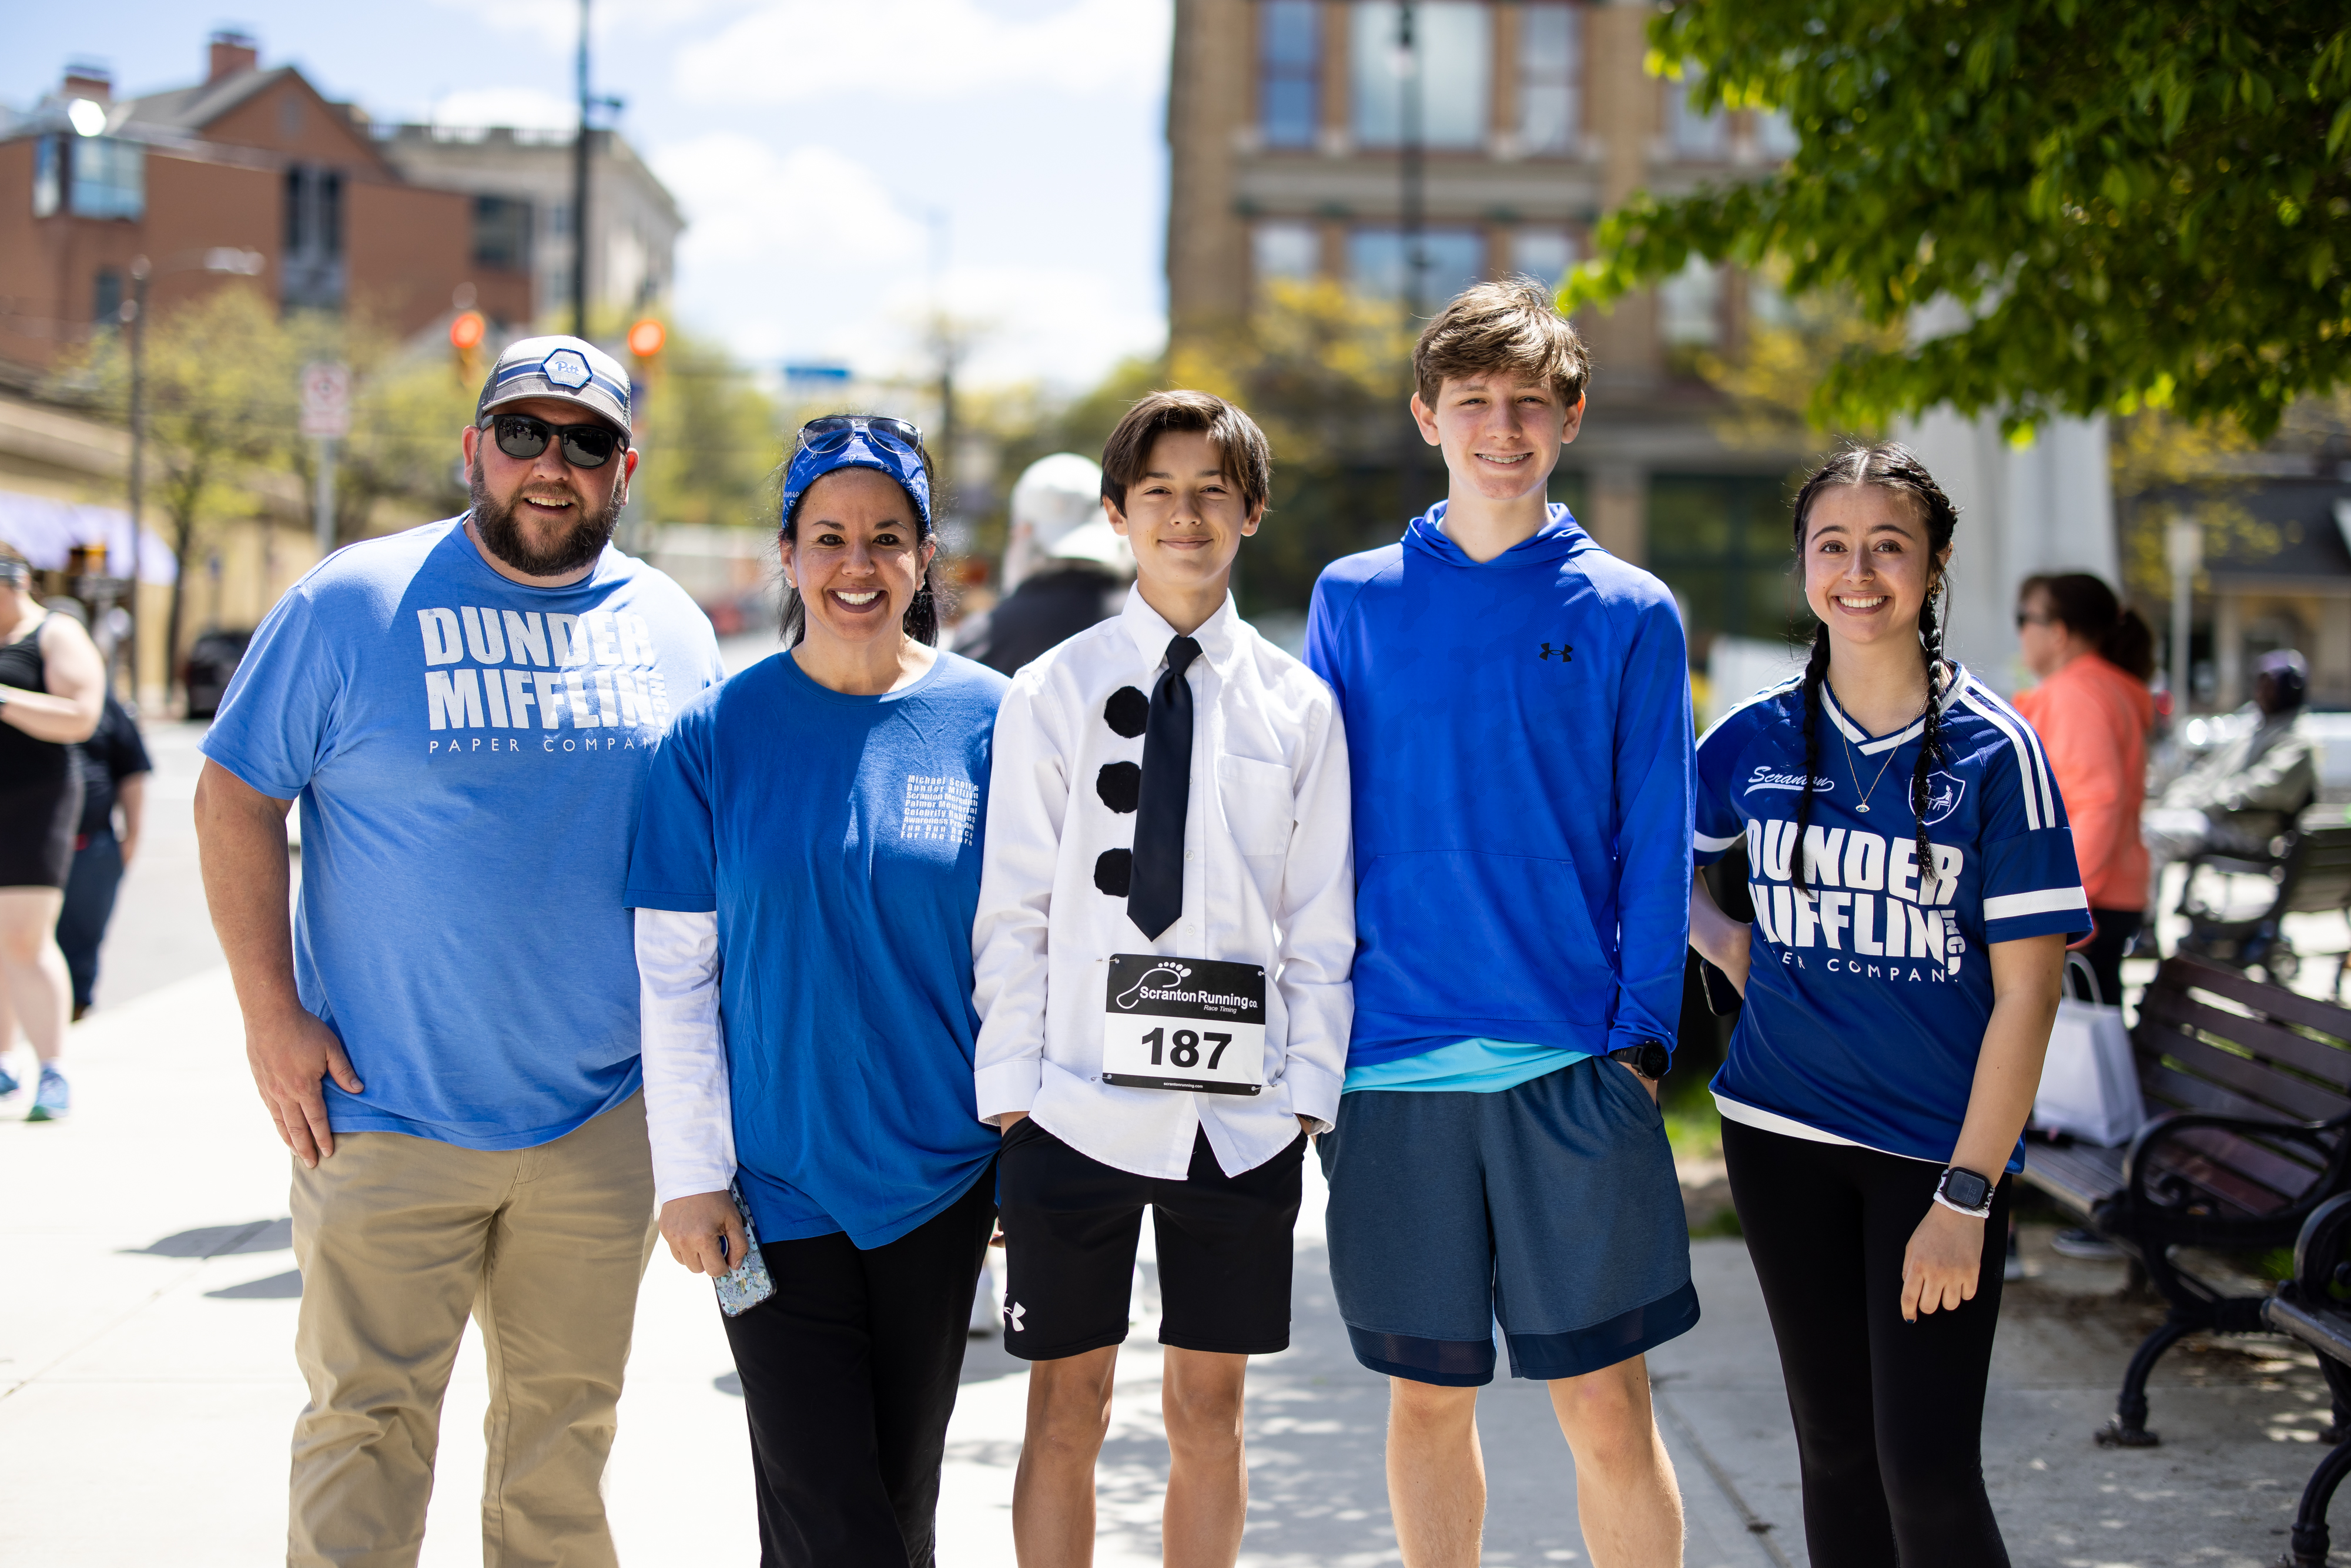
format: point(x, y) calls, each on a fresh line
point(746, 203)
point(797, 51)
point(527, 107)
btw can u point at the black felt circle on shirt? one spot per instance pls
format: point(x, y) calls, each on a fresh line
point(1127, 711)
point(1114, 871)
point(1120, 785)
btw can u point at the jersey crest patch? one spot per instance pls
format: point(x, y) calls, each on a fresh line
point(1944, 792)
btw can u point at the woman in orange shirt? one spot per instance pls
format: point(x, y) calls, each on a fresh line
point(2092, 711)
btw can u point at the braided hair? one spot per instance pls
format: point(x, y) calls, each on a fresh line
point(1885, 466)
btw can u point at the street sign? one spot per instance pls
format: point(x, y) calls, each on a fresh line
point(325, 401)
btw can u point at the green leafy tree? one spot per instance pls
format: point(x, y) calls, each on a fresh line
point(709, 439)
point(409, 411)
point(2138, 205)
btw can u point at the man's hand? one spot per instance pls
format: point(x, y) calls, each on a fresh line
point(1941, 1266)
point(696, 1229)
point(290, 1053)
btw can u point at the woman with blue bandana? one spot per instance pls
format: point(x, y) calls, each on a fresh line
point(804, 876)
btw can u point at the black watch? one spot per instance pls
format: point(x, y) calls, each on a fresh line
point(1965, 1190)
point(1649, 1059)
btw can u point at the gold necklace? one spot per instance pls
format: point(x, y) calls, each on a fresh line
point(1861, 805)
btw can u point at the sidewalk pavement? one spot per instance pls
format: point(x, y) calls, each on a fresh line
point(147, 1384)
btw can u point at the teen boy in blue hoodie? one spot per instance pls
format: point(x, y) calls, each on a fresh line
point(1516, 703)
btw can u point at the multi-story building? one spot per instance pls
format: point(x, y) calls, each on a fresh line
point(522, 184)
point(248, 163)
point(1286, 119)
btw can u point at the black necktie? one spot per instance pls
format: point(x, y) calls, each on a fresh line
point(1157, 896)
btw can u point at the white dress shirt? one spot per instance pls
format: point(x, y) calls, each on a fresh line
point(1269, 878)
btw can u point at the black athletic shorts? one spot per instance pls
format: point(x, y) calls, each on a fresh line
point(1071, 1224)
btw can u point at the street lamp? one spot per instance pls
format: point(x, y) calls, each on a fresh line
point(221, 258)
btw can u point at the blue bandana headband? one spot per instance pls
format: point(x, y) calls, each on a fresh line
point(865, 449)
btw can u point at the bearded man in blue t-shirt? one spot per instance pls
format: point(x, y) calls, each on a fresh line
point(445, 1033)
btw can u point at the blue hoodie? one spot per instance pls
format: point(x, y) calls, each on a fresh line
point(1520, 740)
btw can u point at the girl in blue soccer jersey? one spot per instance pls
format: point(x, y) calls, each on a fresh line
point(1915, 887)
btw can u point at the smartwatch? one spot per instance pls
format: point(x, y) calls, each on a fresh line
point(1649, 1059)
point(1964, 1192)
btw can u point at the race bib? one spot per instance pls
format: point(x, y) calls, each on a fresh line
point(1193, 1024)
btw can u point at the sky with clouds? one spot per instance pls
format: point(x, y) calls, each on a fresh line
point(837, 161)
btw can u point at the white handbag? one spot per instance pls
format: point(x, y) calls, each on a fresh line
point(2089, 1085)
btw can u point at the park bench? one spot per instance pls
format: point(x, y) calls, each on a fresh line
point(2315, 1307)
point(2304, 870)
point(2249, 1089)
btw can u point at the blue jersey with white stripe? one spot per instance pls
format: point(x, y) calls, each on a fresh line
point(1866, 1001)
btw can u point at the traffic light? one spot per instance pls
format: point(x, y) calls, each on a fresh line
point(645, 340)
point(465, 335)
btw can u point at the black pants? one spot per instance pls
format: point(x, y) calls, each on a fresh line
point(2104, 953)
point(89, 905)
point(1890, 1415)
point(848, 1376)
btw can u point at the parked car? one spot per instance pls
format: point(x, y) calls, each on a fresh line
point(211, 662)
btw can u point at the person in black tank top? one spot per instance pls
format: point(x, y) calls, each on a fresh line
point(52, 684)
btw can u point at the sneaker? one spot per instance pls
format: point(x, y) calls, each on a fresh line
point(52, 1100)
point(9, 1084)
point(2087, 1245)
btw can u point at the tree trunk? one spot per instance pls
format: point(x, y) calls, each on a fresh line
point(183, 539)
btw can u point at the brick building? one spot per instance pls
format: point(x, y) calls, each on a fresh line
point(248, 160)
point(1284, 123)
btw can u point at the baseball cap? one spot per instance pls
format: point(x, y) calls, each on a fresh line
point(1060, 498)
point(569, 370)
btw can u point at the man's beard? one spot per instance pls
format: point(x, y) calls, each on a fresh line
point(502, 534)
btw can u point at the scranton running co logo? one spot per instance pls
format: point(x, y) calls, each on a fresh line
point(1763, 778)
point(1943, 794)
point(1563, 653)
point(1171, 979)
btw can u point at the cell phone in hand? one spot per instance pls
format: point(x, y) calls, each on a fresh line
point(748, 1284)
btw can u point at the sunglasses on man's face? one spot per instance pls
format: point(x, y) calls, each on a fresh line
point(520, 436)
point(835, 430)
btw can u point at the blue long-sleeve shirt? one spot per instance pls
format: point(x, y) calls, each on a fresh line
point(1519, 737)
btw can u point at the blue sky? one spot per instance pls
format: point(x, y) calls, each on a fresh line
point(810, 142)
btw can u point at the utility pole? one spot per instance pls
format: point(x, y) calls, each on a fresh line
point(1411, 160)
point(2183, 543)
point(580, 192)
point(137, 315)
point(943, 451)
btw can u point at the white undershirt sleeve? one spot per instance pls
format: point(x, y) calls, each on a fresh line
point(688, 1113)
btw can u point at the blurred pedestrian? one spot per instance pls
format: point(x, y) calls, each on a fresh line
point(52, 687)
point(1914, 888)
point(2245, 793)
point(114, 769)
point(1065, 568)
point(804, 881)
point(446, 1033)
point(2093, 712)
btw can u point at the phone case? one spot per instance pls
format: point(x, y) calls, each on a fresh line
point(748, 1285)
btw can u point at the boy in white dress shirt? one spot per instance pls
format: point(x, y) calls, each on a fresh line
point(1166, 926)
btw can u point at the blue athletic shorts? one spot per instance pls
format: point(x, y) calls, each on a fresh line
point(1552, 1207)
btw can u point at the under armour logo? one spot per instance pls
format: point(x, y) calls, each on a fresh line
point(1013, 1312)
point(1566, 655)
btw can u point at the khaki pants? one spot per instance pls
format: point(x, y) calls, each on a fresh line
point(399, 1240)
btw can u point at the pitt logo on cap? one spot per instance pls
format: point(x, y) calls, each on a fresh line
point(567, 367)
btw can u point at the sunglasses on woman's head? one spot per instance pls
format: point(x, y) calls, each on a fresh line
point(519, 435)
point(835, 430)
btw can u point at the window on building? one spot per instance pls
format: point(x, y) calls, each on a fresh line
point(49, 175)
point(559, 219)
point(502, 232)
point(105, 298)
point(1689, 306)
point(1454, 259)
point(1775, 133)
point(1693, 133)
point(1290, 71)
point(1451, 60)
point(1546, 253)
point(91, 177)
point(1720, 542)
point(312, 264)
point(1284, 249)
point(1550, 77)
